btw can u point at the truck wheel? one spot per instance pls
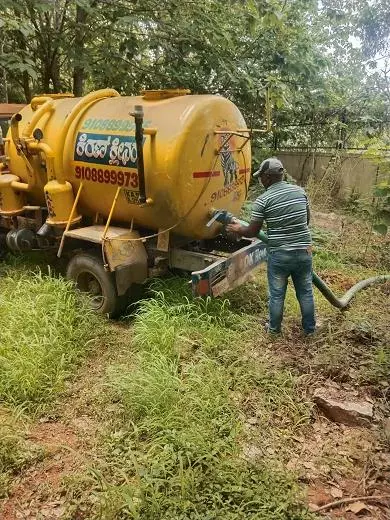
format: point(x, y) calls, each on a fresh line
point(3, 246)
point(90, 277)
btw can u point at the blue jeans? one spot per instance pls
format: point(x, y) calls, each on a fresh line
point(297, 264)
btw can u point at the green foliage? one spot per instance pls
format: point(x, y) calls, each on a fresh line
point(302, 51)
point(44, 330)
point(382, 208)
point(376, 209)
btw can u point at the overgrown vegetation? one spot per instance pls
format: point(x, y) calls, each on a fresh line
point(176, 448)
point(199, 412)
point(45, 328)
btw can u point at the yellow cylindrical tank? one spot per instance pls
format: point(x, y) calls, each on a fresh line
point(59, 202)
point(192, 161)
point(11, 200)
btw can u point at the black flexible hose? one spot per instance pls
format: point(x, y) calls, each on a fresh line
point(343, 302)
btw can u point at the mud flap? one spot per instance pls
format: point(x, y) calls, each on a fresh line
point(128, 259)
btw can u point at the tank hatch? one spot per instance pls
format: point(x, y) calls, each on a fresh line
point(151, 95)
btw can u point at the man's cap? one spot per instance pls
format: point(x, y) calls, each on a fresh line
point(271, 165)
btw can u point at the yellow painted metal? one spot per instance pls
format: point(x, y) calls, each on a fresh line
point(16, 141)
point(164, 94)
point(70, 220)
point(123, 249)
point(77, 110)
point(20, 186)
point(14, 130)
point(11, 201)
point(111, 212)
point(39, 100)
point(46, 107)
point(45, 148)
point(92, 141)
point(60, 201)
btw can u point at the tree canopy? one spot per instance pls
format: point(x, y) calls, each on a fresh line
point(323, 60)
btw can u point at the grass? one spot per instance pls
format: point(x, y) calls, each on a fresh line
point(15, 451)
point(45, 328)
point(176, 450)
point(199, 411)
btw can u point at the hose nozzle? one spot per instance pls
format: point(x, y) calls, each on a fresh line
point(222, 216)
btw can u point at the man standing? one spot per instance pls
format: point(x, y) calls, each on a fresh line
point(284, 208)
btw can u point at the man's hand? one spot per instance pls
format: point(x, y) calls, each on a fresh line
point(234, 227)
point(244, 231)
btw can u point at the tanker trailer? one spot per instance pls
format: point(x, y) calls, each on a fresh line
point(123, 187)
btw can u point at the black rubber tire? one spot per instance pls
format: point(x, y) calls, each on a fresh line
point(89, 275)
point(3, 246)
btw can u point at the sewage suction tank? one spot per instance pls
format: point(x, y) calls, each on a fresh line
point(196, 154)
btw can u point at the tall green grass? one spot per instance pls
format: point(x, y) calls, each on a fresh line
point(176, 452)
point(44, 329)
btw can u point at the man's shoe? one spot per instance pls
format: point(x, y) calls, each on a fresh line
point(270, 331)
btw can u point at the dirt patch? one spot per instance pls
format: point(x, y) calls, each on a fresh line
point(351, 506)
point(338, 462)
point(327, 221)
point(336, 279)
point(37, 494)
point(68, 443)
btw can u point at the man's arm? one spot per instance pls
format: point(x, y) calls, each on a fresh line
point(256, 222)
point(250, 231)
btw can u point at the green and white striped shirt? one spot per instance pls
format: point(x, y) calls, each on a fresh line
point(284, 209)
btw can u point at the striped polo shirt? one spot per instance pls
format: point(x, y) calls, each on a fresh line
point(283, 207)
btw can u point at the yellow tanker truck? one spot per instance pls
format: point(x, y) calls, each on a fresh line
point(124, 187)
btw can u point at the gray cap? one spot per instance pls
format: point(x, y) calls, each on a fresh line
point(271, 165)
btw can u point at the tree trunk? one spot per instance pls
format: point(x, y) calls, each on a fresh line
point(26, 86)
point(55, 74)
point(46, 78)
point(78, 71)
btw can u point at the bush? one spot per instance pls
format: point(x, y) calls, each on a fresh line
point(45, 327)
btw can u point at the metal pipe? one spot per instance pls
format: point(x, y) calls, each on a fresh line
point(59, 253)
point(15, 137)
point(48, 106)
point(138, 115)
point(76, 110)
point(15, 120)
point(37, 101)
point(17, 140)
point(20, 186)
point(150, 131)
point(111, 213)
point(49, 154)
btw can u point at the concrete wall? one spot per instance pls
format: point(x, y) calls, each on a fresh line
point(353, 172)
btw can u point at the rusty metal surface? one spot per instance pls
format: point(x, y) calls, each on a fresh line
point(127, 258)
point(228, 273)
point(7, 110)
point(120, 251)
point(163, 241)
point(191, 260)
